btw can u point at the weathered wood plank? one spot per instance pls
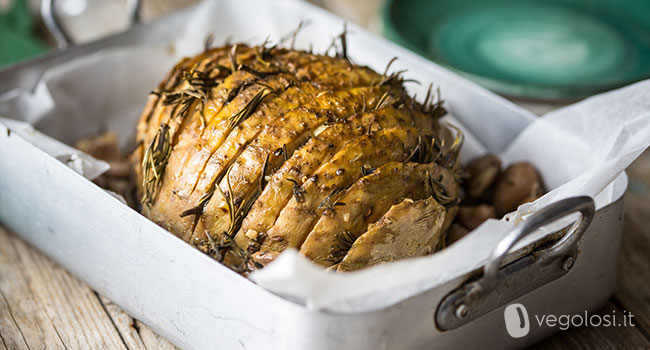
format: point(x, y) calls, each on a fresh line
point(152, 340)
point(50, 308)
point(124, 324)
point(10, 335)
point(595, 338)
point(633, 289)
point(24, 309)
point(136, 335)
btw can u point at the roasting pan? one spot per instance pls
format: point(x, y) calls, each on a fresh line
point(196, 303)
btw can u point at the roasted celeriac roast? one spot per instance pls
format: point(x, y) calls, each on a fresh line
point(247, 151)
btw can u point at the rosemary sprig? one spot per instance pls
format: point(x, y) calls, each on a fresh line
point(200, 79)
point(367, 170)
point(327, 205)
point(450, 158)
point(233, 58)
point(428, 96)
point(236, 209)
point(433, 106)
point(346, 239)
point(392, 60)
point(262, 179)
point(364, 103)
point(229, 200)
point(216, 247)
point(250, 107)
point(344, 242)
point(291, 36)
point(395, 78)
point(198, 209)
point(135, 147)
point(428, 153)
point(209, 40)
point(173, 81)
point(185, 99)
point(224, 244)
point(295, 34)
point(200, 85)
point(385, 100)
point(262, 53)
point(344, 44)
point(415, 150)
point(256, 73)
point(237, 89)
point(298, 191)
point(438, 147)
point(154, 163)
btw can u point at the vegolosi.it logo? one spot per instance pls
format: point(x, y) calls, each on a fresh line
point(518, 322)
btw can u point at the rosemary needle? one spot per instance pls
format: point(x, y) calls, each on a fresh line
point(154, 162)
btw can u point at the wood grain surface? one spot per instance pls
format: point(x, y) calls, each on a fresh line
point(43, 307)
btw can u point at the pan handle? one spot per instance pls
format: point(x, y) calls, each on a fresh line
point(500, 285)
point(62, 37)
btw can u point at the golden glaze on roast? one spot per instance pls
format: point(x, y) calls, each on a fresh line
point(366, 201)
point(408, 229)
point(276, 148)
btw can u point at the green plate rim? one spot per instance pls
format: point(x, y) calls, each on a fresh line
point(504, 87)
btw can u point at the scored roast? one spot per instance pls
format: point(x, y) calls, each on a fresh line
point(245, 151)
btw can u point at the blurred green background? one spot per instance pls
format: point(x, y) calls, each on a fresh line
point(18, 39)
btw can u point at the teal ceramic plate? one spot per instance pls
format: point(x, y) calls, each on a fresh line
point(552, 49)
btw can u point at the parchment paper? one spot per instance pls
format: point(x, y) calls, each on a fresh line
point(579, 149)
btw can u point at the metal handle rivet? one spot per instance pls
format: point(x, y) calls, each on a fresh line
point(462, 311)
point(568, 263)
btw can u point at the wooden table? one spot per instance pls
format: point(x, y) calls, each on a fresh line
point(43, 307)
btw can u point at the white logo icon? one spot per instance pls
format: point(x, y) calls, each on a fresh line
point(517, 323)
